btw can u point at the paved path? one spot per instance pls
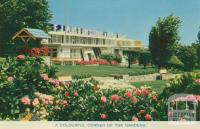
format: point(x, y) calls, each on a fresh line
point(106, 82)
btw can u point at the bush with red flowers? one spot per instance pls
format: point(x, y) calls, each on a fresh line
point(99, 62)
point(43, 51)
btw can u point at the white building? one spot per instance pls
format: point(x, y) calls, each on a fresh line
point(82, 44)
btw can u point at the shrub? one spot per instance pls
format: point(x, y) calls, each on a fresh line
point(110, 104)
point(188, 83)
point(118, 58)
point(108, 57)
point(20, 78)
point(83, 76)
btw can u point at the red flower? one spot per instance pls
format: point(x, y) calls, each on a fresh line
point(134, 118)
point(114, 97)
point(67, 94)
point(20, 57)
point(134, 100)
point(75, 94)
point(142, 112)
point(138, 92)
point(103, 99)
point(147, 117)
point(103, 116)
point(145, 92)
point(128, 94)
point(114, 63)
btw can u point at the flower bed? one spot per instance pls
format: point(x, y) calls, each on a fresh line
point(99, 62)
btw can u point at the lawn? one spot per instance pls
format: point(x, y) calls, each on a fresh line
point(157, 85)
point(102, 70)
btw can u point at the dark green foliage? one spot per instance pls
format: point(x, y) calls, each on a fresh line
point(145, 58)
point(108, 57)
point(131, 56)
point(16, 14)
point(163, 38)
point(187, 55)
point(27, 80)
point(197, 47)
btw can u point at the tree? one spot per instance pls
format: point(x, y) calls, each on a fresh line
point(145, 58)
point(187, 55)
point(16, 14)
point(163, 38)
point(131, 57)
point(196, 46)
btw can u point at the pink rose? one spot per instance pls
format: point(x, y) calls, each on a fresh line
point(50, 102)
point(128, 94)
point(134, 118)
point(147, 117)
point(10, 79)
point(134, 100)
point(44, 101)
point(138, 92)
point(103, 99)
point(20, 57)
point(26, 101)
point(54, 82)
point(35, 102)
point(76, 94)
point(103, 116)
point(142, 112)
point(44, 77)
point(197, 81)
point(114, 97)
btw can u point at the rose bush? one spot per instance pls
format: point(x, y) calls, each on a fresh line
point(86, 101)
point(20, 78)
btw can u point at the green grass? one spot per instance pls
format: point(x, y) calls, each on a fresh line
point(157, 85)
point(102, 70)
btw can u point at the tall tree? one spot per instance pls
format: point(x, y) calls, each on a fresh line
point(16, 14)
point(163, 38)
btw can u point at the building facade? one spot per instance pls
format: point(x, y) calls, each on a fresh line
point(82, 44)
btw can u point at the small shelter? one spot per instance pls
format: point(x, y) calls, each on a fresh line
point(26, 34)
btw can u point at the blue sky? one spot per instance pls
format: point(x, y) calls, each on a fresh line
point(133, 18)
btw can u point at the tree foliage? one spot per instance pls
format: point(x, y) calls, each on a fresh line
point(187, 55)
point(163, 38)
point(131, 57)
point(145, 58)
point(16, 14)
